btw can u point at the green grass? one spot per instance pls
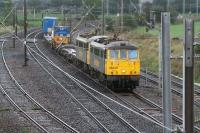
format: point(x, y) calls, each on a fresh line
point(148, 47)
point(176, 30)
point(3, 30)
point(141, 30)
point(37, 22)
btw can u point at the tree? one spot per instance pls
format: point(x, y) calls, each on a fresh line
point(91, 3)
point(34, 3)
point(6, 6)
point(56, 3)
point(161, 3)
point(179, 5)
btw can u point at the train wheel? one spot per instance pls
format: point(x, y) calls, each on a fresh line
point(85, 68)
point(77, 63)
point(109, 85)
point(92, 73)
point(133, 86)
point(137, 83)
point(52, 44)
point(101, 77)
point(74, 61)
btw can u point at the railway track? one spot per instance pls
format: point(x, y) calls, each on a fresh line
point(176, 85)
point(43, 119)
point(110, 102)
point(31, 109)
point(175, 117)
point(177, 82)
point(121, 99)
point(115, 96)
point(53, 108)
point(176, 89)
point(97, 110)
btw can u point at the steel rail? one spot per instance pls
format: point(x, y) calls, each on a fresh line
point(81, 83)
point(33, 100)
point(72, 96)
point(105, 106)
point(175, 91)
point(178, 119)
point(139, 110)
point(19, 108)
point(115, 95)
point(173, 82)
point(55, 117)
point(92, 96)
point(175, 117)
point(121, 99)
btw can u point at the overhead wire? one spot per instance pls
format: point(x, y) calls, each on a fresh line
point(2, 25)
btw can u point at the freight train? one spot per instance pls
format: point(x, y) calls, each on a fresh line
point(54, 34)
point(114, 62)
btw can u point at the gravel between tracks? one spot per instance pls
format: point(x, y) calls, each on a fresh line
point(11, 120)
point(45, 90)
point(51, 54)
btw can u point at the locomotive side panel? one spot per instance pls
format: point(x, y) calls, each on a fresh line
point(97, 60)
point(81, 52)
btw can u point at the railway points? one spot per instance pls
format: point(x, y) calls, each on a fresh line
point(75, 72)
point(78, 71)
point(61, 65)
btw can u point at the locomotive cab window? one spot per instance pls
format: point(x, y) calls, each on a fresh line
point(114, 54)
point(76, 43)
point(96, 52)
point(105, 54)
point(91, 49)
point(101, 53)
point(86, 45)
point(123, 54)
point(80, 44)
point(132, 54)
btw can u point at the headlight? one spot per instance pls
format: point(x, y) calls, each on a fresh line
point(123, 71)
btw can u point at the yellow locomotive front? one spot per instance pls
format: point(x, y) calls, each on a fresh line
point(115, 62)
point(122, 64)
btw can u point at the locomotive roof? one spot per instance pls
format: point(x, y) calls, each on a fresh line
point(114, 45)
point(97, 37)
point(49, 18)
point(86, 35)
point(86, 40)
point(61, 26)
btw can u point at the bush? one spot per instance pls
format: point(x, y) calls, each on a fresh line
point(173, 15)
point(130, 22)
point(158, 9)
point(109, 23)
point(197, 49)
point(141, 19)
